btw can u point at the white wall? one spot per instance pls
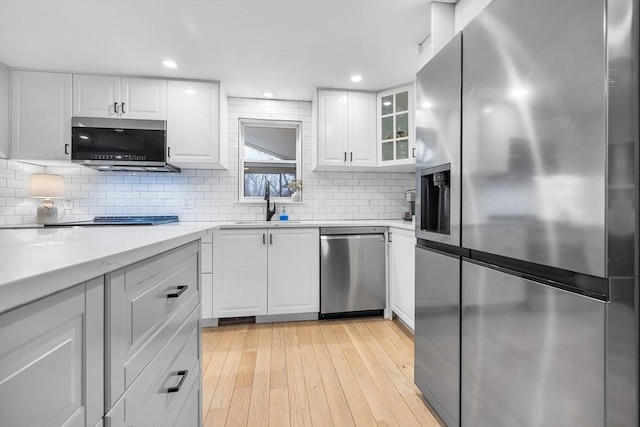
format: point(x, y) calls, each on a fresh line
point(327, 195)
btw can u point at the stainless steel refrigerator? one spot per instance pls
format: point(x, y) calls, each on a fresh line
point(537, 217)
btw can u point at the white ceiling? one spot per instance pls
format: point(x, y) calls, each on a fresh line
point(288, 47)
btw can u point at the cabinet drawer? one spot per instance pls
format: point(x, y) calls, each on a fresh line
point(150, 400)
point(148, 301)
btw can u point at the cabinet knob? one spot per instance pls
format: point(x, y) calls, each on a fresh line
point(414, 152)
point(115, 108)
point(345, 156)
point(122, 108)
point(66, 148)
point(351, 158)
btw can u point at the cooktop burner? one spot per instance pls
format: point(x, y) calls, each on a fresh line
point(119, 220)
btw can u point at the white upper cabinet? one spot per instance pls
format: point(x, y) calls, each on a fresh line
point(5, 132)
point(193, 132)
point(396, 139)
point(119, 97)
point(346, 129)
point(40, 116)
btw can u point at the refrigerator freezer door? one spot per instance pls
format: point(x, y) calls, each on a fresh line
point(532, 355)
point(534, 163)
point(437, 332)
point(437, 119)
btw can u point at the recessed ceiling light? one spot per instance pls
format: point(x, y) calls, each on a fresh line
point(268, 94)
point(356, 78)
point(169, 63)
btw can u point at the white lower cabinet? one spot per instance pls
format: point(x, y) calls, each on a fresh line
point(206, 268)
point(265, 272)
point(240, 273)
point(402, 274)
point(52, 359)
point(153, 340)
point(294, 271)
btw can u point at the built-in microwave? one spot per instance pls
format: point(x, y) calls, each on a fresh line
point(120, 144)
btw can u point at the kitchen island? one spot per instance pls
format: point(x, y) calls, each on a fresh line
point(101, 325)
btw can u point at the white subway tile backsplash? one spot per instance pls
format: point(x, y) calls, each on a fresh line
point(326, 195)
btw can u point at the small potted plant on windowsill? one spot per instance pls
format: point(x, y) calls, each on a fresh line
point(296, 186)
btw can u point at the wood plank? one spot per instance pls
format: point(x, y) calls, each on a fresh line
point(298, 403)
point(278, 408)
point(239, 409)
point(224, 390)
point(278, 377)
point(211, 376)
point(259, 400)
point(337, 401)
point(394, 373)
point(360, 410)
point(393, 399)
point(377, 403)
point(210, 337)
point(397, 350)
point(318, 405)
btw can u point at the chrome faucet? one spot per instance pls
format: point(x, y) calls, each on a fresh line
point(267, 197)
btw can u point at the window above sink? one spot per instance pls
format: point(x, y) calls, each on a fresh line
point(270, 153)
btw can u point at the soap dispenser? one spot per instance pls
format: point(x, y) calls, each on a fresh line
point(283, 215)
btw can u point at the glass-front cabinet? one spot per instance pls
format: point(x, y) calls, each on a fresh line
point(396, 137)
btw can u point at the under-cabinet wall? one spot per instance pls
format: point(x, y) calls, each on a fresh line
point(211, 193)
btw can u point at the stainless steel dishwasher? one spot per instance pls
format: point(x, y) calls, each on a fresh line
point(352, 271)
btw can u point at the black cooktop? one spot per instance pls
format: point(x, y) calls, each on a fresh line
point(119, 220)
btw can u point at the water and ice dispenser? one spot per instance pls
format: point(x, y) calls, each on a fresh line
point(435, 214)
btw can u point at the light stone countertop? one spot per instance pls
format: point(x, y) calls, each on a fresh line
point(38, 262)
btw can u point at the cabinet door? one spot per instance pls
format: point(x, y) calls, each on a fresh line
point(294, 276)
point(192, 126)
point(144, 99)
point(96, 96)
point(51, 360)
point(396, 138)
point(40, 115)
point(240, 273)
point(5, 130)
point(402, 275)
point(362, 129)
point(332, 128)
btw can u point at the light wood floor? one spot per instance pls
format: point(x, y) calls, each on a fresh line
point(322, 373)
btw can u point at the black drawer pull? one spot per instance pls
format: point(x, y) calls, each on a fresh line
point(176, 389)
point(181, 290)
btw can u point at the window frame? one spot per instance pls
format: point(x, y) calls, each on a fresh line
point(268, 123)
